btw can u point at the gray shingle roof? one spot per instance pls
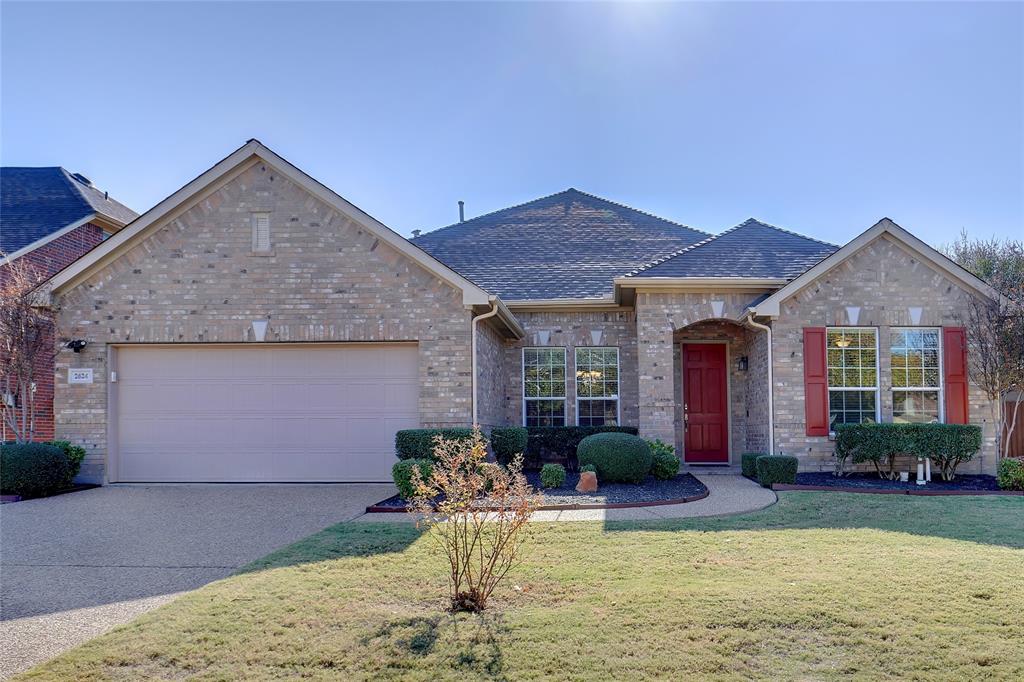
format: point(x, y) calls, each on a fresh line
point(751, 249)
point(35, 202)
point(566, 245)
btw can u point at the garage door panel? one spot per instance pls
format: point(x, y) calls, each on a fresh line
point(263, 414)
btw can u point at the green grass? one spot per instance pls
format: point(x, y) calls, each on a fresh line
point(819, 586)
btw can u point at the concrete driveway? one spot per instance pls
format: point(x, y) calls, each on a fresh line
point(76, 565)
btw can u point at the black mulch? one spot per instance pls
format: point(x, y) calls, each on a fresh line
point(872, 481)
point(651, 490)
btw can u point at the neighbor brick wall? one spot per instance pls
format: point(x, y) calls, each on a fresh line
point(326, 279)
point(46, 261)
point(490, 387)
point(885, 281)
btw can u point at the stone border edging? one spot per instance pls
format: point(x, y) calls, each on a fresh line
point(894, 491)
point(375, 509)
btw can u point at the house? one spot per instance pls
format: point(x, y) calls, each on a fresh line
point(48, 218)
point(256, 326)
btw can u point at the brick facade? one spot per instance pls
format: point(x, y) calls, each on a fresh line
point(196, 280)
point(47, 260)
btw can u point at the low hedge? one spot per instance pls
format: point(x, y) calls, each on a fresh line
point(508, 441)
point(419, 443)
point(561, 442)
point(75, 455)
point(1010, 474)
point(947, 445)
point(618, 457)
point(552, 476)
point(33, 469)
point(401, 473)
point(664, 463)
point(748, 463)
point(776, 469)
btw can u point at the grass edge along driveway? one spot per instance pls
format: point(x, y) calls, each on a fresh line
point(819, 586)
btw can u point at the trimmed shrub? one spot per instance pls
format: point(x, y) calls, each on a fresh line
point(508, 441)
point(618, 457)
point(947, 445)
point(402, 475)
point(748, 463)
point(664, 463)
point(32, 469)
point(588, 467)
point(561, 442)
point(1010, 474)
point(75, 455)
point(776, 469)
point(419, 443)
point(552, 476)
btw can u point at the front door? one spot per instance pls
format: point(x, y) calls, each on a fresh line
point(705, 405)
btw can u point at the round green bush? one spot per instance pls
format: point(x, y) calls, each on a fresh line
point(402, 475)
point(1011, 474)
point(665, 466)
point(618, 457)
point(33, 469)
point(748, 463)
point(552, 476)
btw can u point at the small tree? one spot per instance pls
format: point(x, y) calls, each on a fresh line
point(995, 326)
point(478, 515)
point(26, 345)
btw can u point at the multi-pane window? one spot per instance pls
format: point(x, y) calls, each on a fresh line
point(544, 386)
point(852, 355)
point(597, 386)
point(916, 375)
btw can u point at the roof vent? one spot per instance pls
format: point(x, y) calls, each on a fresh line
point(82, 179)
point(462, 211)
point(416, 233)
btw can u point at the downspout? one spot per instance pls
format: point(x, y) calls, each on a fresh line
point(771, 384)
point(483, 316)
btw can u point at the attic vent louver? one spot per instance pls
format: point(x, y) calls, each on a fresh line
point(261, 232)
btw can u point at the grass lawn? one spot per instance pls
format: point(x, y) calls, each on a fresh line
point(819, 586)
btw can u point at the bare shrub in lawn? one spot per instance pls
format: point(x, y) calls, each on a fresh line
point(477, 514)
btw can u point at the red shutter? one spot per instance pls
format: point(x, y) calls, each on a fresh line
point(815, 382)
point(954, 365)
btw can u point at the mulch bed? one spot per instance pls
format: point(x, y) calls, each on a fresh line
point(683, 488)
point(871, 483)
point(7, 499)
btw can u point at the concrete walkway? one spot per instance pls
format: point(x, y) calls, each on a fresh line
point(729, 494)
point(74, 566)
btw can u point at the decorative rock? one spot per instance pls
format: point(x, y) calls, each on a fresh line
point(588, 482)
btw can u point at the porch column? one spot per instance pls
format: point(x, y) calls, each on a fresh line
point(657, 377)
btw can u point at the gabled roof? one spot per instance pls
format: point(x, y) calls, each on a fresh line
point(771, 306)
point(38, 202)
point(569, 245)
point(752, 249)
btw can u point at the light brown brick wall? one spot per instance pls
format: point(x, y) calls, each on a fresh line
point(195, 280)
point(490, 350)
point(885, 281)
point(571, 330)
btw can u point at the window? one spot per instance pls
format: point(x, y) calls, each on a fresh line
point(852, 356)
point(597, 386)
point(916, 375)
point(261, 232)
point(544, 386)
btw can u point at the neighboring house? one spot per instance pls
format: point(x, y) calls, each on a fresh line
point(255, 326)
point(48, 218)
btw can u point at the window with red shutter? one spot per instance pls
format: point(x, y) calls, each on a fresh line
point(815, 382)
point(954, 369)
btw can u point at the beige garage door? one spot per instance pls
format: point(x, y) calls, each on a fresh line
point(269, 413)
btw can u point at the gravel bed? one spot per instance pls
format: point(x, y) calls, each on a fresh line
point(651, 490)
point(872, 481)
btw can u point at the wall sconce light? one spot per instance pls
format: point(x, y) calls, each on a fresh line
point(742, 364)
point(76, 345)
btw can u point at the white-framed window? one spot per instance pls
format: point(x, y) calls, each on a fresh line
point(916, 358)
point(544, 382)
point(852, 357)
point(261, 232)
point(597, 386)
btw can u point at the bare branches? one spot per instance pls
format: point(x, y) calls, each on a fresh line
point(26, 347)
point(477, 513)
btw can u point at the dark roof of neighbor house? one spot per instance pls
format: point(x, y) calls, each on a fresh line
point(35, 202)
point(751, 249)
point(566, 245)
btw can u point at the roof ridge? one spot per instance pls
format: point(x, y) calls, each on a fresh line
point(555, 194)
point(790, 232)
point(69, 178)
point(679, 252)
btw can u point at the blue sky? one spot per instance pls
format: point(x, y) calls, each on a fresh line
point(818, 117)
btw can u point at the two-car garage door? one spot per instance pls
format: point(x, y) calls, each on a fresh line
point(274, 413)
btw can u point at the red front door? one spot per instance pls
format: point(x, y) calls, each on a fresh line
point(705, 407)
